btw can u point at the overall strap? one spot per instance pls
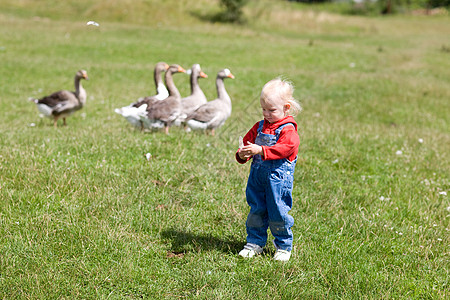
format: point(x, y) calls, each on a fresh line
point(278, 130)
point(260, 127)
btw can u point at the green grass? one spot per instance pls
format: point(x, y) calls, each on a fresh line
point(83, 214)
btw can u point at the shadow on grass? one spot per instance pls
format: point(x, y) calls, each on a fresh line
point(184, 241)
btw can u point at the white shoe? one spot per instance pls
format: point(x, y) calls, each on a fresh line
point(250, 250)
point(282, 255)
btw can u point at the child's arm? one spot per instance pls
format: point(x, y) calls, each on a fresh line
point(248, 138)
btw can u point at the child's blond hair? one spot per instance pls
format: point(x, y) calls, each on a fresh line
point(283, 90)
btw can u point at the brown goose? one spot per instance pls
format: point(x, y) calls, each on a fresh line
point(214, 113)
point(164, 113)
point(196, 98)
point(133, 111)
point(63, 103)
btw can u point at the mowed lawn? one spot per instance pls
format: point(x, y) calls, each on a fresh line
point(84, 214)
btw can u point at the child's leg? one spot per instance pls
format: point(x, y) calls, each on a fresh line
point(279, 203)
point(257, 219)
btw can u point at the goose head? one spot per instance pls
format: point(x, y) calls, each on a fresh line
point(82, 74)
point(197, 71)
point(161, 67)
point(225, 73)
point(175, 69)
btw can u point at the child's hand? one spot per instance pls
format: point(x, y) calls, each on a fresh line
point(248, 151)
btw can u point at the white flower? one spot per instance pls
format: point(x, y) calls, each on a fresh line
point(443, 193)
point(440, 240)
point(381, 198)
point(32, 124)
point(335, 161)
point(148, 156)
point(92, 23)
point(421, 141)
point(399, 152)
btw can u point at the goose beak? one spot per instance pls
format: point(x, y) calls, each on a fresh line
point(181, 70)
point(166, 66)
point(203, 75)
point(85, 76)
point(231, 76)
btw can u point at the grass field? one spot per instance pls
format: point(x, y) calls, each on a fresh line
point(83, 214)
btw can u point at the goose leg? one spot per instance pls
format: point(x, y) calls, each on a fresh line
point(166, 129)
point(55, 122)
point(212, 132)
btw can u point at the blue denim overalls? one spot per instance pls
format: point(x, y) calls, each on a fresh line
point(269, 195)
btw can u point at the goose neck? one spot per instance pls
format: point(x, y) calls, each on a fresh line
point(173, 91)
point(221, 91)
point(80, 92)
point(77, 83)
point(157, 77)
point(194, 83)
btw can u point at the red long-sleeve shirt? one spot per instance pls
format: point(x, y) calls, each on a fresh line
point(287, 145)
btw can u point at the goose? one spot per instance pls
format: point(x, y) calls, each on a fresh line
point(132, 112)
point(161, 90)
point(163, 113)
point(213, 114)
point(62, 104)
point(196, 98)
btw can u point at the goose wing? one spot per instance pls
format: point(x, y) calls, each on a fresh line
point(165, 110)
point(60, 101)
point(205, 113)
point(145, 100)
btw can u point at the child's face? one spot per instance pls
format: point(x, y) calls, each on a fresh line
point(273, 111)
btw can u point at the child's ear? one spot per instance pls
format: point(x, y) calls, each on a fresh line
point(287, 107)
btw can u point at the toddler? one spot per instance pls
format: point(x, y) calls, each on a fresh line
point(273, 144)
